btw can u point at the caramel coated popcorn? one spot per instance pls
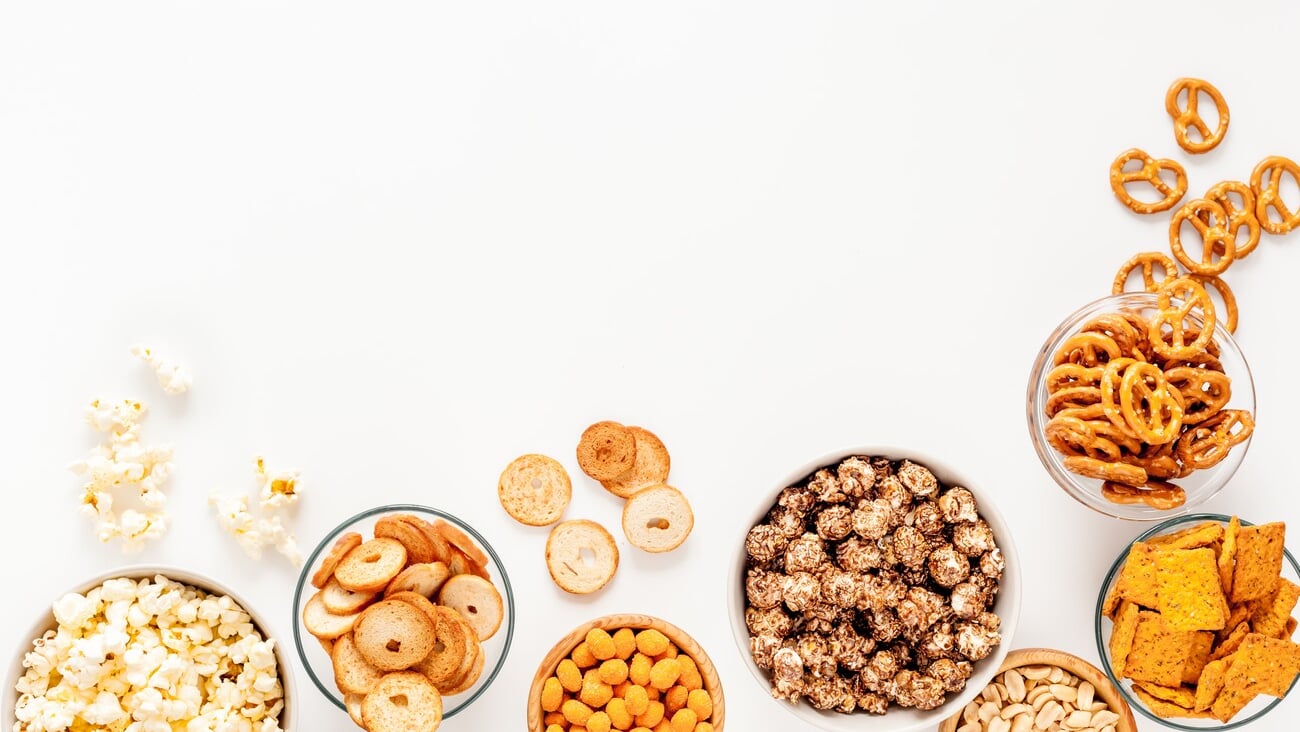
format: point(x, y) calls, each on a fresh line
point(871, 584)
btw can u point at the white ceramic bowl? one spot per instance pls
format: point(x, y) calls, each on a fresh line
point(9, 695)
point(1007, 605)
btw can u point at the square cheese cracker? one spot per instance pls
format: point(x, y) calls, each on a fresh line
point(1158, 652)
point(1270, 615)
point(1189, 595)
point(1258, 563)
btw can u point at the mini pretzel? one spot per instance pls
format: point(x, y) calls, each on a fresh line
point(1185, 119)
point(1075, 397)
point(1123, 437)
point(1150, 406)
point(1157, 494)
point(1268, 194)
point(1148, 261)
point(1238, 216)
point(1193, 296)
point(1149, 173)
point(1211, 222)
point(1089, 414)
point(1120, 330)
point(1229, 299)
point(1071, 374)
point(1087, 349)
point(1204, 392)
point(1072, 436)
point(1101, 470)
point(1209, 442)
point(1111, 379)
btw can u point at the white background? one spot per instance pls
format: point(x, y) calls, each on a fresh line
point(401, 243)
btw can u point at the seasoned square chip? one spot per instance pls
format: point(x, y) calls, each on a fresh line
point(1291, 624)
point(1237, 615)
point(1269, 615)
point(1211, 683)
point(1228, 554)
point(1202, 644)
point(1166, 709)
point(1180, 695)
point(1203, 534)
point(1263, 664)
point(1137, 580)
point(1189, 596)
point(1158, 652)
point(1121, 636)
point(1231, 699)
point(1230, 644)
point(1258, 561)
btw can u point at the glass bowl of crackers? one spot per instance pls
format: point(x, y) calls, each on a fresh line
point(1136, 408)
point(405, 614)
point(1194, 622)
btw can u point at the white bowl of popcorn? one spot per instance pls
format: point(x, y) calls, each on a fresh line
point(154, 645)
point(874, 587)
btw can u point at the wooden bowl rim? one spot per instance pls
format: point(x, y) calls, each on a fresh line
point(682, 639)
point(1079, 667)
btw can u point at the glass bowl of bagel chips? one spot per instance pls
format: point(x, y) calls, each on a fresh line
point(1195, 621)
point(1082, 409)
point(403, 603)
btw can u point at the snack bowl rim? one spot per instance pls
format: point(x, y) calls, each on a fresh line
point(198, 580)
point(1022, 657)
point(1103, 646)
point(1082, 489)
point(1008, 603)
point(300, 597)
point(565, 645)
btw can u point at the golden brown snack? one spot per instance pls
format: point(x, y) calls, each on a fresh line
point(477, 600)
point(1239, 215)
point(535, 490)
point(344, 544)
point(1149, 173)
point(371, 566)
point(606, 450)
point(1218, 245)
point(1188, 118)
point(393, 635)
point(650, 467)
point(418, 548)
point(1148, 262)
point(402, 702)
point(1266, 184)
point(657, 519)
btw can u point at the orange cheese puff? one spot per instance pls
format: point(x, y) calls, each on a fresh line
point(674, 699)
point(624, 643)
point(595, 693)
point(703, 727)
point(638, 672)
point(583, 656)
point(664, 674)
point(613, 671)
point(670, 652)
point(653, 715)
point(701, 703)
point(619, 716)
point(554, 728)
point(557, 719)
point(690, 677)
point(637, 700)
point(576, 712)
point(552, 695)
point(651, 642)
point(569, 676)
point(601, 644)
point(684, 721)
point(599, 722)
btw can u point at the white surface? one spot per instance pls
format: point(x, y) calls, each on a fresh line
point(399, 245)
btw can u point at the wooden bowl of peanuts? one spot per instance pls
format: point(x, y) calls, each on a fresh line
point(623, 672)
point(1041, 690)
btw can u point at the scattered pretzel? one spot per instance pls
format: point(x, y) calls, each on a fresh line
point(1238, 216)
point(1211, 222)
point(1148, 261)
point(1189, 118)
point(1090, 467)
point(1268, 194)
point(1229, 299)
point(1175, 344)
point(1157, 494)
point(1148, 173)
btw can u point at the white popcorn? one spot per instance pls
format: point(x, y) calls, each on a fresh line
point(123, 464)
point(255, 532)
point(278, 489)
point(173, 378)
point(153, 655)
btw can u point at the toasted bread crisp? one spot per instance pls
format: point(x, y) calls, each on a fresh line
point(1189, 596)
point(650, 467)
point(1270, 615)
point(1121, 636)
point(1202, 534)
point(1137, 580)
point(1158, 652)
point(1197, 657)
point(1211, 683)
point(606, 450)
point(535, 490)
point(1258, 561)
point(1228, 554)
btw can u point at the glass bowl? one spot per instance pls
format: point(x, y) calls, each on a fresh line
point(317, 663)
point(897, 719)
point(1258, 708)
point(1200, 485)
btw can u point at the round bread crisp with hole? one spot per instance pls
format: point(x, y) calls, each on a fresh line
point(461, 541)
point(418, 548)
point(419, 602)
point(353, 674)
point(393, 635)
point(534, 490)
point(425, 579)
point(342, 545)
point(402, 702)
point(344, 602)
point(452, 642)
point(371, 566)
point(581, 556)
point(322, 623)
point(353, 703)
point(606, 450)
point(441, 551)
point(657, 519)
point(477, 600)
point(649, 469)
point(471, 675)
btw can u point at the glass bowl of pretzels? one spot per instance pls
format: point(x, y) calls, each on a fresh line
point(403, 616)
point(1141, 405)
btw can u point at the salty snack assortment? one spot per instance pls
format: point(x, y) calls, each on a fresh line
point(1038, 697)
point(1136, 401)
point(403, 616)
point(1200, 619)
point(150, 654)
point(871, 584)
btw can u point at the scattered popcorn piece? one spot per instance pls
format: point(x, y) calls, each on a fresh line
point(253, 532)
point(125, 465)
point(150, 655)
point(173, 378)
point(279, 489)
